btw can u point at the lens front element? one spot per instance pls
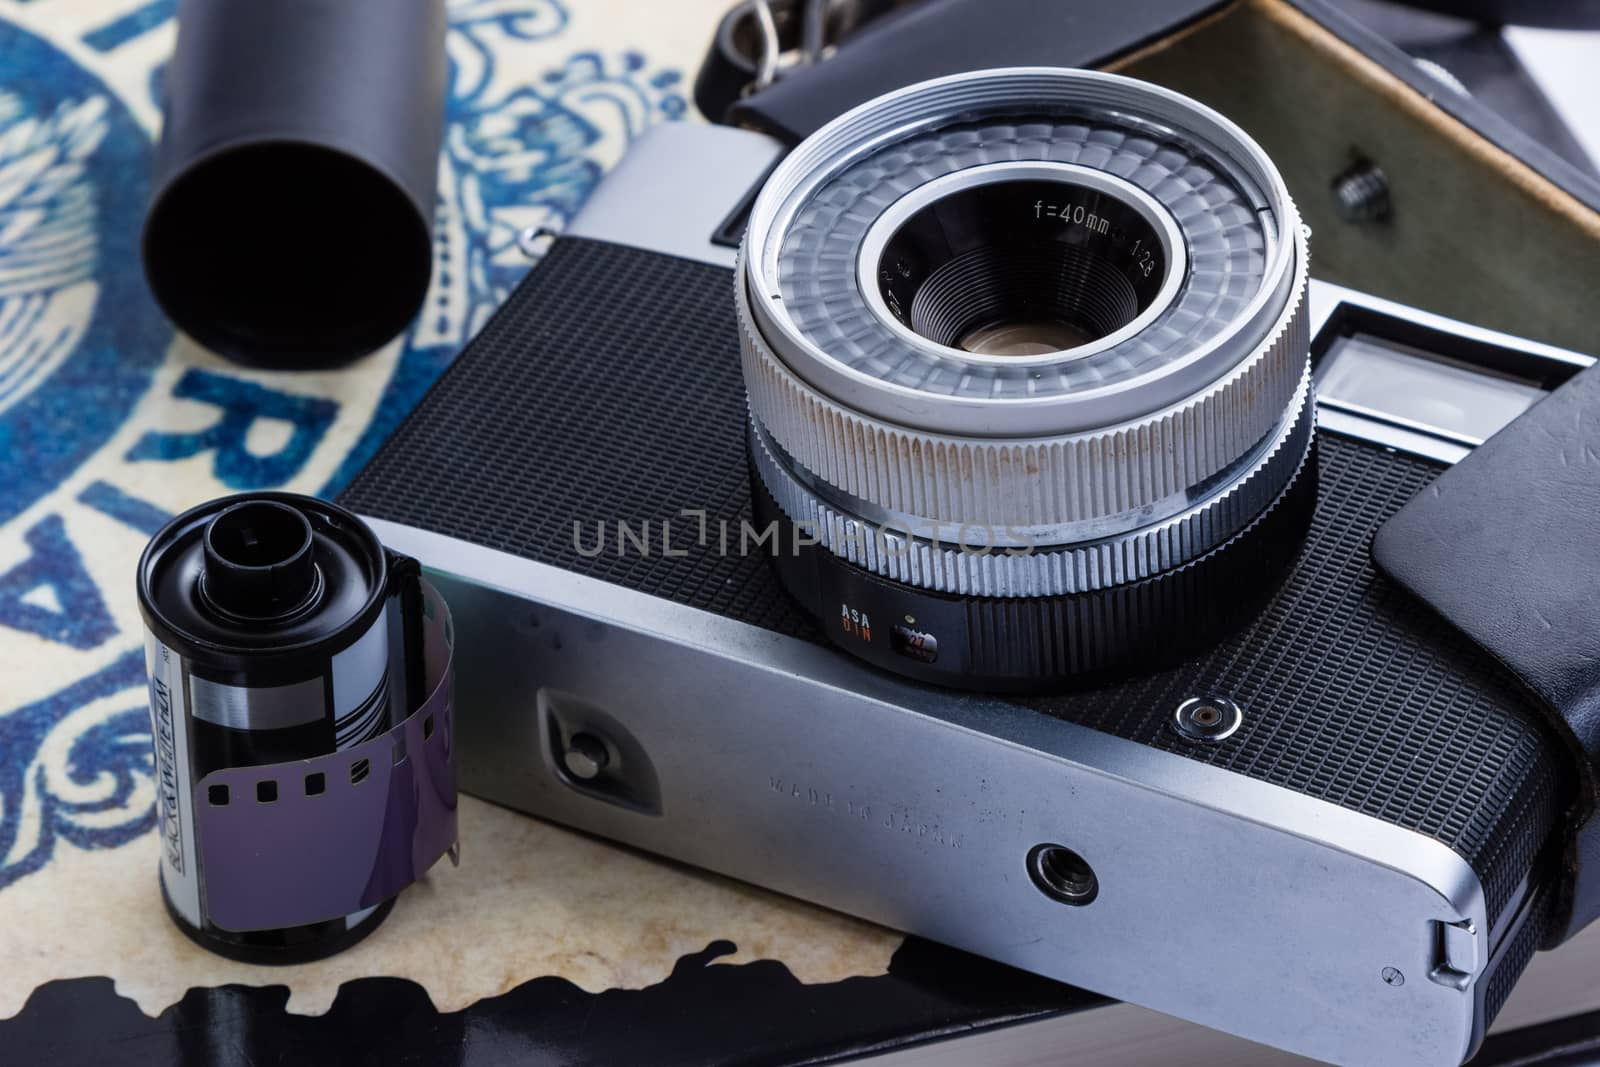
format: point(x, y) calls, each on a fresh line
point(997, 265)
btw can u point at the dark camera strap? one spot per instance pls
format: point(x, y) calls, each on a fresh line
point(760, 41)
point(785, 67)
point(871, 46)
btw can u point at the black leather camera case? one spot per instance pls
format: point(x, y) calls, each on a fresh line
point(1505, 545)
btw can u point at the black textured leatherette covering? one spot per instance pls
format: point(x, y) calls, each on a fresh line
point(608, 388)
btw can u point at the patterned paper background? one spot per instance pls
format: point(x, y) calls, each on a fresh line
point(110, 423)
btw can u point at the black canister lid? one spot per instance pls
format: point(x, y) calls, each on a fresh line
point(291, 221)
point(261, 581)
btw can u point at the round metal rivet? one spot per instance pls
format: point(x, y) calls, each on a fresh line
point(1207, 718)
point(534, 241)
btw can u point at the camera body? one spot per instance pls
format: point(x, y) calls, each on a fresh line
point(1331, 832)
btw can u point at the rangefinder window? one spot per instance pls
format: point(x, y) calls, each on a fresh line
point(1417, 389)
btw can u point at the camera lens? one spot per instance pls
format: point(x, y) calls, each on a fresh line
point(990, 264)
point(1027, 359)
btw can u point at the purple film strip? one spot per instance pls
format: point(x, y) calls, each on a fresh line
point(288, 844)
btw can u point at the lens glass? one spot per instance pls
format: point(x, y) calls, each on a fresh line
point(1019, 268)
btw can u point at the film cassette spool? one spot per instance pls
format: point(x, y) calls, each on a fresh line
point(301, 709)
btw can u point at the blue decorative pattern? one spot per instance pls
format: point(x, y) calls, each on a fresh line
point(242, 403)
point(74, 166)
point(73, 612)
point(121, 30)
point(139, 514)
point(95, 406)
point(74, 772)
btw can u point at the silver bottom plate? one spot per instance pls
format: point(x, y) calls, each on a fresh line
point(1224, 900)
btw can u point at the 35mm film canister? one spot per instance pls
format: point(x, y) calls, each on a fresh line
point(300, 703)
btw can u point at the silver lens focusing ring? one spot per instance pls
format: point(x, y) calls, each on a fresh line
point(973, 559)
point(1026, 333)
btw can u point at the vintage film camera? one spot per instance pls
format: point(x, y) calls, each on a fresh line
point(962, 555)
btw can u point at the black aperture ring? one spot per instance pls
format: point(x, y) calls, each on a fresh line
point(1039, 644)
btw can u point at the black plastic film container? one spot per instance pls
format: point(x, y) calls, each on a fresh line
point(294, 194)
point(278, 629)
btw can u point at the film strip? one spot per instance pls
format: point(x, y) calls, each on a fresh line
point(307, 841)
